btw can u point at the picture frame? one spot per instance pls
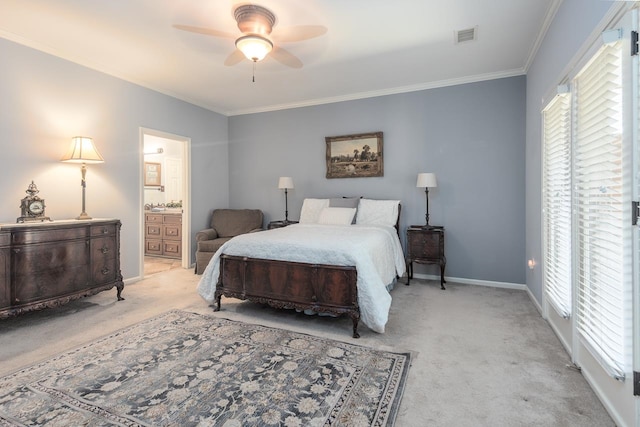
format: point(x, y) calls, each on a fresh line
point(152, 174)
point(355, 156)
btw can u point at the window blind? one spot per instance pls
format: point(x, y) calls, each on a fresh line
point(556, 190)
point(598, 204)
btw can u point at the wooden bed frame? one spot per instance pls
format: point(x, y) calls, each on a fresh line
point(284, 284)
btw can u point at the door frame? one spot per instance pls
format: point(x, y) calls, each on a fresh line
point(186, 194)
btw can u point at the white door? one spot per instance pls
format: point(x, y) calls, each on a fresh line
point(173, 183)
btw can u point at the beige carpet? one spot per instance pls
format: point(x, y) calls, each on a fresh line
point(483, 356)
point(153, 265)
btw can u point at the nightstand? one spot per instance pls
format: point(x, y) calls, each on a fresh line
point(280, 224)
point(425, 245)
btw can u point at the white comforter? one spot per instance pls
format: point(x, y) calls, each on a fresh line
point(375, 251)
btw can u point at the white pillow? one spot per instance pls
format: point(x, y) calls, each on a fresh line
point(377, 212)
point(311, 208)
point(336, 216)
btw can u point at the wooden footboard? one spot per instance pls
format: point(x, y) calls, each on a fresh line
point(283, 284)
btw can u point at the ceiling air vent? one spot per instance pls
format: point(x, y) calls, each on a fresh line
point(468, 35)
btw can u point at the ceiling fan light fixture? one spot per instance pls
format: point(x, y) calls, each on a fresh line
point(254, 19)
point(254, 47)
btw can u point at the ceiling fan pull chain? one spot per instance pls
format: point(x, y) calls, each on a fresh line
point(254, 71)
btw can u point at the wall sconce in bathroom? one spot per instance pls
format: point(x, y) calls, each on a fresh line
point(531, 263)
point(156, 151)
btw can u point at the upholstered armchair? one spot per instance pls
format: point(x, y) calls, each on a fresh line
point(225, 224)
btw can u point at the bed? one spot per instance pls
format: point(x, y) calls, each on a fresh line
point(338, 260)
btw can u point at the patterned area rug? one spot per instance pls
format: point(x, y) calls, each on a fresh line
point(181, 369)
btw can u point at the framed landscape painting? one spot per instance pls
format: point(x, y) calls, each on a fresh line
point(354, 156)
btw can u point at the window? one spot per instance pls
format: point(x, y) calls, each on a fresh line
point(557, 203)
point(598, 201)
point(587, 234)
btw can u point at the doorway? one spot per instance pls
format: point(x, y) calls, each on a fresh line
point(164, 201)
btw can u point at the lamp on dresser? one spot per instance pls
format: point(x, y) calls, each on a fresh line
point(83, 151)
point(426, 181)
point(285, 183)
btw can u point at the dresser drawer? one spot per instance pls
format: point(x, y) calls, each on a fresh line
point(155, 218)
point(172, 218)
point(153, 247)
point(103, 230)
point(48, 235)
point(153, 230)
point(425, 244)
point(172, 248)
point(104, 271)
point(49, 270)
point(103, 248)
point(172, 231)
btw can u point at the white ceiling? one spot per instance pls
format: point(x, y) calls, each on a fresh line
point(371, 47)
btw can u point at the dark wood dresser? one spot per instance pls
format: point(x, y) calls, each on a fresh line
point(163, 234)
point(51, 263)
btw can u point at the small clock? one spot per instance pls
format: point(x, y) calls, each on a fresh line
point(32, 207)
point(36, 207)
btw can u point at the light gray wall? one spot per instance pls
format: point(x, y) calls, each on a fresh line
point(44, 101)
point(571, 27)
point(471, 136)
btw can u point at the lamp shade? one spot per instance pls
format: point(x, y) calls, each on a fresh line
point(285, 182)
point(82, 150)
point(426, 180)
point(254, 47)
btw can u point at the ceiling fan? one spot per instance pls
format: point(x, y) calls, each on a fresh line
point(256, 41)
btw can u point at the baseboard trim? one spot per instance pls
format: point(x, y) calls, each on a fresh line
point(617, 417)
point(131, 280)
point(534, 301)
point(505, 285)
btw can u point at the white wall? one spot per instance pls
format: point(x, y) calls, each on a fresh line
point(45, 101)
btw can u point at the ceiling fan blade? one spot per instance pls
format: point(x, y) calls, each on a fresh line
point(205, 31)
point(298, 33)
point(285, 57)
point(235, 57)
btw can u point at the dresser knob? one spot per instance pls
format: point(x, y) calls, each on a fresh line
point(105, 249)
point(105, 270)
